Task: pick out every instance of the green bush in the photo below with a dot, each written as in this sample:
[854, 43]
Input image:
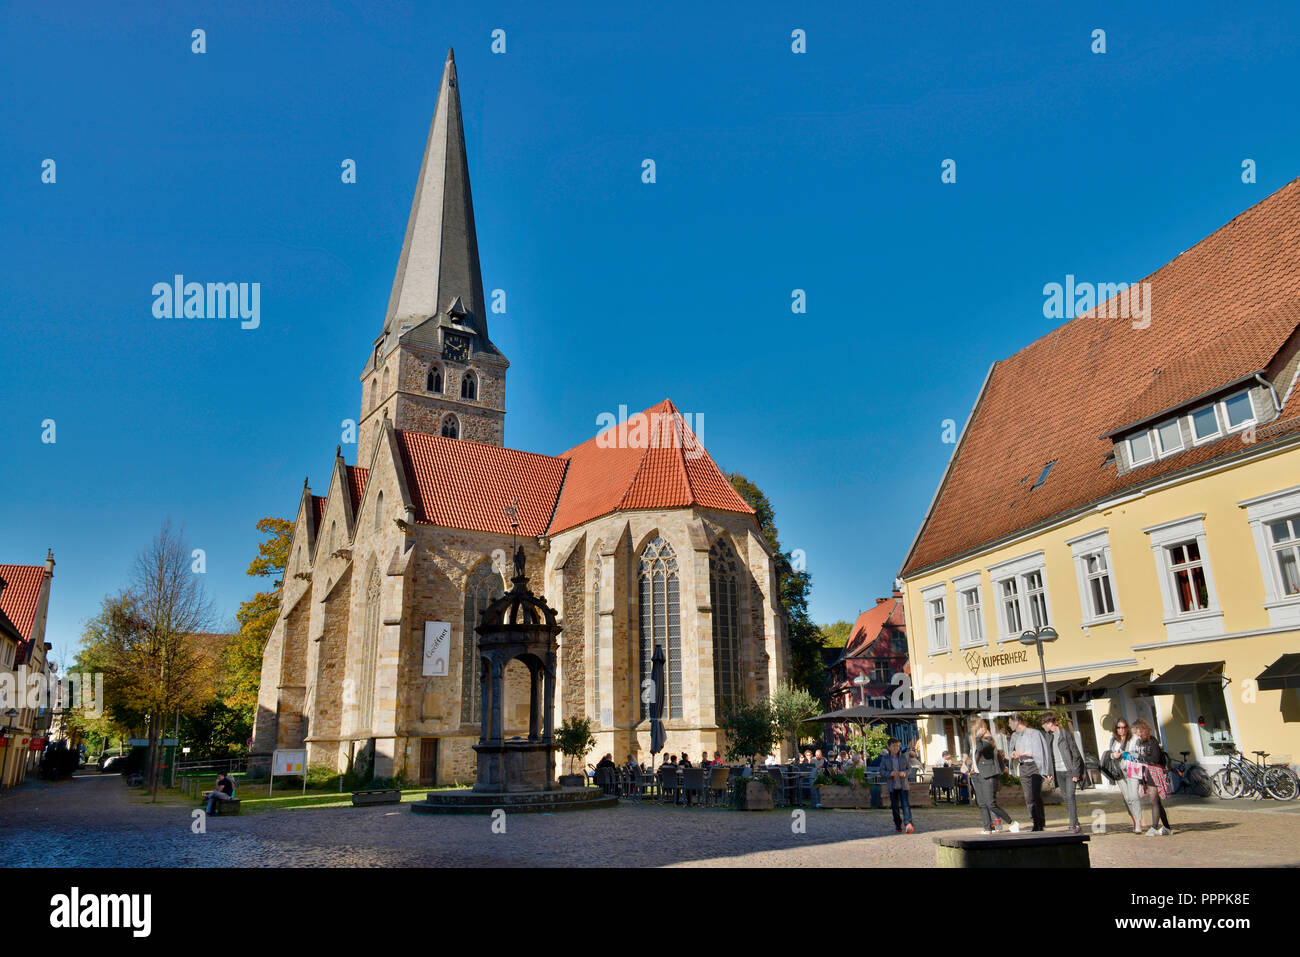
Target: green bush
[322, 777]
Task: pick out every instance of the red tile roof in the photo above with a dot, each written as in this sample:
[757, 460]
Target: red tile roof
[356, 485]
[1219, 311]
[460, 484]
[867, 628]
[318, 506]
[21, 595]
[650, 462]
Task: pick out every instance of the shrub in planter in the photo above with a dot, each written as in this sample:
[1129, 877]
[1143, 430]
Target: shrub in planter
[575, 741]
[754, 794]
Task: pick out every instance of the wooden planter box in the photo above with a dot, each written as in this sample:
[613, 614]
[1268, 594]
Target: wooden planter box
[379, 796]
[837, 795]
[756, 797]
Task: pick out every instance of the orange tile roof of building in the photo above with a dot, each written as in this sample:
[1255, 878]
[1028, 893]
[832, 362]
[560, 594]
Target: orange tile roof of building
[456, 483]
[21, 595]
[650, 462]
[318, 507]
[356, 484]
[1219, 311]
[461, 484]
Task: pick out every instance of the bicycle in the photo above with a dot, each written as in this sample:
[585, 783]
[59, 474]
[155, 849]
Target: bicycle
[1241, 776]
[1189, 777]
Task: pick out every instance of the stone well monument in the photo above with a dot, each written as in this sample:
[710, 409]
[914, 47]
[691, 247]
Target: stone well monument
[516, 773]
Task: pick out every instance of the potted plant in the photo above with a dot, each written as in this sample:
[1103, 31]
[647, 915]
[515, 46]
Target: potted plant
[751, 730]
[576, 741]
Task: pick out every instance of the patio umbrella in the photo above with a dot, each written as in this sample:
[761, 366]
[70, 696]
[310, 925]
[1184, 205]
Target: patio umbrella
[657, 733]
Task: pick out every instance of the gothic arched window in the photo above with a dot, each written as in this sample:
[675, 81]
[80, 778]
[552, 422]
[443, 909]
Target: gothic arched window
[435, 380]
[374, 392]
[379, 512]
[469, 386]
[384, 392]
[661, 620]
[723, 596]
[482, 587]
[595, 638]
[450, 427]
[369, 652]
[331, 545]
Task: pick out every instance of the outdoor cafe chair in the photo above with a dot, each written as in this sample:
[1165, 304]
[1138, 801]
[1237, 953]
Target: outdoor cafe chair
[667, 783]
[777, 774]
[718, 783]
[693, 783]
[942, 781]
[605, 780]
[647, 785]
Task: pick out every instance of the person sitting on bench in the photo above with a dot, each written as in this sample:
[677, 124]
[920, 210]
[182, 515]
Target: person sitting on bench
[225, 791]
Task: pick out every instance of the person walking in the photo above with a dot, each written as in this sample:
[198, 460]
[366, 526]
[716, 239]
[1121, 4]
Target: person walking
[1122, 743]
[1029, 747]
[893, 770]
[1069, 771]
[987, 771]
[1155, 779]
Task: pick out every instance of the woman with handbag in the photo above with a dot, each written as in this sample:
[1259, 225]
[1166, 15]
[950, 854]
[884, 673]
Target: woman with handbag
[1115, 764]
[989, 765]
[1150, 758]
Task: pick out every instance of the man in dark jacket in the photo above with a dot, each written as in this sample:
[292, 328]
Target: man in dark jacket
[1068, 771]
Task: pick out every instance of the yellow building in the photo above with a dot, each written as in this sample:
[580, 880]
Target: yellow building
[1132, 479]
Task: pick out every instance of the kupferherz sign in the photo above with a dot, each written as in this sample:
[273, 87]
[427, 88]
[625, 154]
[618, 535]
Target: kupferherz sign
[976, 661]
[437, 641]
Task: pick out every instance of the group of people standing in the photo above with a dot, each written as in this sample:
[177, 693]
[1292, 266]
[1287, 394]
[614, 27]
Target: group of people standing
[1050, 757]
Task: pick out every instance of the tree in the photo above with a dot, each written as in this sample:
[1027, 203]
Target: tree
[836, 634]
[575, 739]
[793, 588]
[242, 662]
[751, 730]
[149, 641]
[792, 706]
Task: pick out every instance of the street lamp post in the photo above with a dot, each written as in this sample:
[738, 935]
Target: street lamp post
[862, 681]
[1037, 637]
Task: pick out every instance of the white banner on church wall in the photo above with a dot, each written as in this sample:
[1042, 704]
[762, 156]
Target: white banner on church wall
[437, 647]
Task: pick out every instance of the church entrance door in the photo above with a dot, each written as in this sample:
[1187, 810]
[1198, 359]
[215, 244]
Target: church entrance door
[428, 761]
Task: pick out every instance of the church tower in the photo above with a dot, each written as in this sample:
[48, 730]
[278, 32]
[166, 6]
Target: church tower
[433, 367]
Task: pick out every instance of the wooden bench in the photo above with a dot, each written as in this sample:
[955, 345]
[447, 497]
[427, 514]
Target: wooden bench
[376, 796]
[225, 807]
[1031, 849]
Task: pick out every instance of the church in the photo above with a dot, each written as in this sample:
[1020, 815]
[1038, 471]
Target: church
[635, 537]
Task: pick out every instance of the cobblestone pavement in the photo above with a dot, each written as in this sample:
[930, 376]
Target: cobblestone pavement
[92, 821]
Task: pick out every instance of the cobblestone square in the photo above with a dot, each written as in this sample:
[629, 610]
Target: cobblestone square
[92, 821]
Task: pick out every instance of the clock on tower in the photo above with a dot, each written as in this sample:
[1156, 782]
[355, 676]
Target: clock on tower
[455, 348]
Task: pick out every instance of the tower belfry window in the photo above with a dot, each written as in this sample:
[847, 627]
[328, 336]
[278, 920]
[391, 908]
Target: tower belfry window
[469, 386]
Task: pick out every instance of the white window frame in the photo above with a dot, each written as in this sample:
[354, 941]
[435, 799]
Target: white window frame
[1133, 460]
[1261, 511]
[939, 643]
[1218, 424]
[1227, 424]
[961, 587]
[1159, 445]
[1180, 625]
[1020, 569]
[1081, 549]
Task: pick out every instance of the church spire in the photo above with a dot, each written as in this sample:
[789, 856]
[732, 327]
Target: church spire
[438, 270]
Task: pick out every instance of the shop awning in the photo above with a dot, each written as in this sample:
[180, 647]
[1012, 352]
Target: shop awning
[1109, 684]
[1183, 679]
[869, 714]
[1012, 696]
[1281, 674]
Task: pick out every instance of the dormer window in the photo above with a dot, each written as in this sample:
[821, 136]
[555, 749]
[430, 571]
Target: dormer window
[1205, 423]
[1140, 449]
[1238, 411]
[1169, 437]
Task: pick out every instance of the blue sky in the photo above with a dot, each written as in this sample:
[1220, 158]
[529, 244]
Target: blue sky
[775, 171]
